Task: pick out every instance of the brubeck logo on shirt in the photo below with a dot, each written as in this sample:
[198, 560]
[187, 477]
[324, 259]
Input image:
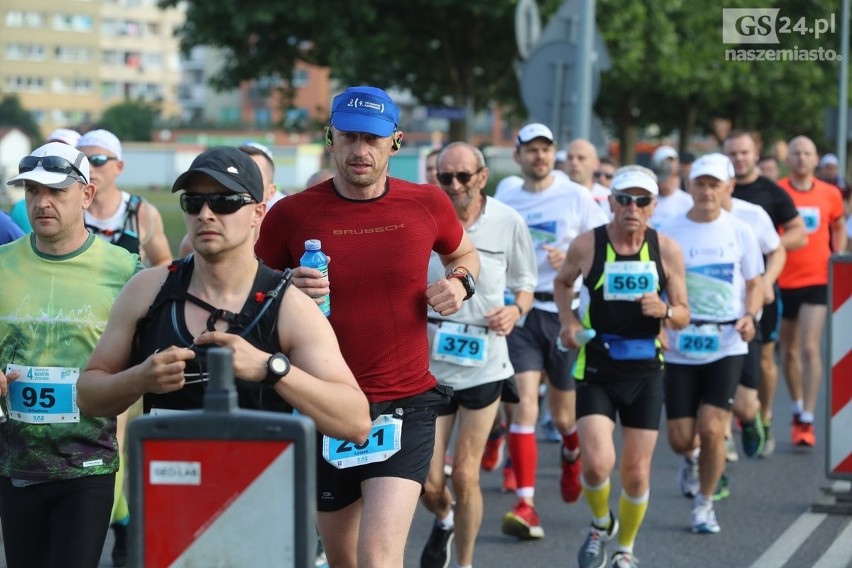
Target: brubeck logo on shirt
[369, 230]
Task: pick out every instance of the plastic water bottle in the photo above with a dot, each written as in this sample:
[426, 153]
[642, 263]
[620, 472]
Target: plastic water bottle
[315, 258]
[583, 336]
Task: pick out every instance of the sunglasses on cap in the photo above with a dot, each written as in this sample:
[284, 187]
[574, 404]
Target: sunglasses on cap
[626, 199]
[53, 164]
[604, 175]
[98, 160]
[220, 203]
[446, 178]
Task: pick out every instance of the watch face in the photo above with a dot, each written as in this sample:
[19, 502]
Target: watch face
[278, 365]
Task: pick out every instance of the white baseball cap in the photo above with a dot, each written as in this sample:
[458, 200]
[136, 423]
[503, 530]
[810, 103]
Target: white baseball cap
[663, 153]
[714, 165]
[64, 135]
[532, 131]
[629, 179]
[829, 160]
[48, 174]
[102, 139]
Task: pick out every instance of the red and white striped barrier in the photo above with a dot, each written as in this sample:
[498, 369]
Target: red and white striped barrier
[839, 457]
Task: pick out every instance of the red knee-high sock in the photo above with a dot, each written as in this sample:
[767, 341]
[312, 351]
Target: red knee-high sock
[571, 441]
[523, 449]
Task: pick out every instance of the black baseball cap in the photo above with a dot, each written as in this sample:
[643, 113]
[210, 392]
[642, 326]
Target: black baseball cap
[229, 166]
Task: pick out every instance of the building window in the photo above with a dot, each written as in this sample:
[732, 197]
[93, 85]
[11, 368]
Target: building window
[262, 118]
[109, 91]
[229, 115]
[16, 83]
[62, 22]
[82, 23]
[16, 19]
[300, 78]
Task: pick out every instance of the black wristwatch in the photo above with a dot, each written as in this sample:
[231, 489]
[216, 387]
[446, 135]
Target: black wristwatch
[277, 368]
[464, 275]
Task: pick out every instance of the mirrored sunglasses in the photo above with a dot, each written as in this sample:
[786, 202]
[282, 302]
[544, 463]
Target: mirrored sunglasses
[219, 203]
[53, 164]
[98, 160]
[640, 200]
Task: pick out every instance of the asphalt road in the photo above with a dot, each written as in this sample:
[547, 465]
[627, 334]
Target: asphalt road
[767, 521]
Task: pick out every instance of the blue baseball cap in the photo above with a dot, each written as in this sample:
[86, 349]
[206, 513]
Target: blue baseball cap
[365, 109]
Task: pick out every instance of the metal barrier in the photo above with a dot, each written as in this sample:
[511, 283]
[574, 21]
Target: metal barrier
[222, 486]
[839, 455]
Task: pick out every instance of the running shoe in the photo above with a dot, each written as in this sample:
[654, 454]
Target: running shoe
[493, 456]
[731, 454]
[624, 560]
[436, 553]
[802, 433]
[769, 443]
[753, 437]
[704, 519]
[523, 522]
[688, 477]
[569, 481]
[510, 483]
[593, 552]
[723, 489]
[321, 559]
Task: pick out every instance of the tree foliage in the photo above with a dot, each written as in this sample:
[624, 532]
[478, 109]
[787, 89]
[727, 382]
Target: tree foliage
[669, 69]
[444, 52]
[131, 121]
[13, 114]
[669, 66]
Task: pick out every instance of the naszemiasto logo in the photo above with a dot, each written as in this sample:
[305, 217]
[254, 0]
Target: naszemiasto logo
[767, 26]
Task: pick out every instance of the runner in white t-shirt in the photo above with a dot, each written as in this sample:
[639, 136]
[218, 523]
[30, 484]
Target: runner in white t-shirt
[704, 360]
[556, 211]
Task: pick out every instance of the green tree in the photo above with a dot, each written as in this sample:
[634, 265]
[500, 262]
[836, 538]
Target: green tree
[444, 52]
[131, 121]
[13, 114]
[669, 69]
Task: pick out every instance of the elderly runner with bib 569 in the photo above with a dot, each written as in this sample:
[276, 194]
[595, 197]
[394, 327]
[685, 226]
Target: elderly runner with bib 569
[627, 269]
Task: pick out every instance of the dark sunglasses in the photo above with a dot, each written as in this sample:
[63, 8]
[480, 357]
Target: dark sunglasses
[604, 175]
[446, 178]
[639, 200]
[53, 164]
[220, 203]
[98, 160]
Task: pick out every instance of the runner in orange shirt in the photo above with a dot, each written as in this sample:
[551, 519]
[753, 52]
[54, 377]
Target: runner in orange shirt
[804, 282]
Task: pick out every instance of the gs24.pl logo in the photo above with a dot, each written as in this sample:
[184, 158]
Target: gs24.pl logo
[765, 25]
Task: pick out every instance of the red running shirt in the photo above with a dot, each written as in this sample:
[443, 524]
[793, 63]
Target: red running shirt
[379, 251]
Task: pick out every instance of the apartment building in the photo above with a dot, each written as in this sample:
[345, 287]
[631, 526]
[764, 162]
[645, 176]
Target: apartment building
[69, 60]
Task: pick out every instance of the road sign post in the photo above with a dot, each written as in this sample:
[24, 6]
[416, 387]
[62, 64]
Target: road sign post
[222, 486]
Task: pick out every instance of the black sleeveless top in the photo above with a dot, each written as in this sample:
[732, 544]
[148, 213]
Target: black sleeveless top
[127, 237]
[619, 317]
[164, 325]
